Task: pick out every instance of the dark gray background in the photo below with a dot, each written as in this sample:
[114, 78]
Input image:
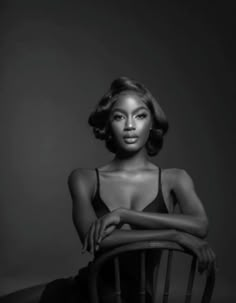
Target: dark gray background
[57, 60]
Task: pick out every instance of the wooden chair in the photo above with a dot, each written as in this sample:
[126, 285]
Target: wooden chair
[141, 248]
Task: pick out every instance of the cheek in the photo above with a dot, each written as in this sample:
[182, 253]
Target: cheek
[145, 127]
[116, 128]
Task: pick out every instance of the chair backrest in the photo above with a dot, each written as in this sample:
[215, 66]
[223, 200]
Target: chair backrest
[142, 248]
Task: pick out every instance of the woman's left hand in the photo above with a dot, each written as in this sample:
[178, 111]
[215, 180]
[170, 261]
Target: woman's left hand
[100, 229]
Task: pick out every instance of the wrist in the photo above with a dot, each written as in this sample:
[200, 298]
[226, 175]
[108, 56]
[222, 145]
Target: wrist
[121, 212]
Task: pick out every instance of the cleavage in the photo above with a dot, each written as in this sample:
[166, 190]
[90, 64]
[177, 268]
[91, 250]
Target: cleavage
[124, 194]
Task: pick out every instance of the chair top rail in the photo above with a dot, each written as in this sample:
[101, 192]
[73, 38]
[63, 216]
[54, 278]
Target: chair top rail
[142, 245]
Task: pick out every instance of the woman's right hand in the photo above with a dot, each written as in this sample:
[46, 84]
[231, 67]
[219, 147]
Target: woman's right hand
[91, 243]
[100, 229]
[206, 256]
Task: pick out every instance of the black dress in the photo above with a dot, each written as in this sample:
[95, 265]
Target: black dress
[75, 289]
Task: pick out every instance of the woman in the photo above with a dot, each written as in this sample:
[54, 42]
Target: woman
[133, 125]
[130, 198]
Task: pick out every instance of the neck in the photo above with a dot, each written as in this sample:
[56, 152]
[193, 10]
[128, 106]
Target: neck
[131, 162]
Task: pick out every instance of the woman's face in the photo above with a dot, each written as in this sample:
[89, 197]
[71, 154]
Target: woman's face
[130, 122]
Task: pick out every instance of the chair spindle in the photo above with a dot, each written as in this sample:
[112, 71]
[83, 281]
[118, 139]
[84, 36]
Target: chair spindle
[117, 280]
[142, 292]
[167, 280]
[191, 277]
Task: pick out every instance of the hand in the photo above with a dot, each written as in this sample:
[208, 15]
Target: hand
[100, 229]
[206, 256]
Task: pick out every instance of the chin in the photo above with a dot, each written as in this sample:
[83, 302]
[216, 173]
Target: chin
[129, 149]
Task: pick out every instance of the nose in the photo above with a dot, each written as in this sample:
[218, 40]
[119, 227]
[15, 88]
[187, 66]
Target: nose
[130, 124]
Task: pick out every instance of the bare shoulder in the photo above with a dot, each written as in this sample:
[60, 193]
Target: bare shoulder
[176, 178]
[81, 181]
[81, 174]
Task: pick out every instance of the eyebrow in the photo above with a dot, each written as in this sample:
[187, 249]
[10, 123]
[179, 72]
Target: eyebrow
[124, 112]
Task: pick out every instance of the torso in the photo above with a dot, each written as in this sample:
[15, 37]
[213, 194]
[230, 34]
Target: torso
[147, 190]
[139, 191]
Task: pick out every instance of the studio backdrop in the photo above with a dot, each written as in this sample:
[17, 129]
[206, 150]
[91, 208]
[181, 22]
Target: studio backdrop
[56, 62]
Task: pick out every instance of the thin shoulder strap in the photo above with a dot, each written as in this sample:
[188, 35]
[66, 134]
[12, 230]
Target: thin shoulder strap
[98, 181]
[160, 190]
[159, 179]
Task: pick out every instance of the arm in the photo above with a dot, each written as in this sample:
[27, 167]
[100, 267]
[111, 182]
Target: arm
[192, 224]
[81, 187]
[192, 218]
[118, 237]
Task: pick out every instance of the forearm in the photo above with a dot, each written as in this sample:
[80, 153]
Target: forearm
[119, 237]
[182, 222]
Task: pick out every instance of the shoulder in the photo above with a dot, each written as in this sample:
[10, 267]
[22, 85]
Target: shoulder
[177, 178]
[81, 174]
[82, 181]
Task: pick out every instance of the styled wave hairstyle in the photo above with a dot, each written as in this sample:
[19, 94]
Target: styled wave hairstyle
[99, 118]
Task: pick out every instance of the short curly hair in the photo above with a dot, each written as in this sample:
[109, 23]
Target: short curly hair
[99, 118]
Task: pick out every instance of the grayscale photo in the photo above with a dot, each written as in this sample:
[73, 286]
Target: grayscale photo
[117, 151]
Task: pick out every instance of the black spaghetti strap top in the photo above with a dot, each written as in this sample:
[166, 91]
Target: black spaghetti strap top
[157, 205]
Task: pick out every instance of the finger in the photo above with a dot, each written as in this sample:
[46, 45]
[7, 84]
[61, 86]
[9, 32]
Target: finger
[210, 260]
[91, 239]
[213, 259]
[97, 228]
[85, 244]
[106, 222]
[213, 256]
[204, 260]
[102, 230]
[200, 260]
[96, 235]
[100, 233]
[197, 253]
[109, 230]
[206, 257]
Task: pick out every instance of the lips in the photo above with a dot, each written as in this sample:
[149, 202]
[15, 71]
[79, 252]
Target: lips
[130, 139]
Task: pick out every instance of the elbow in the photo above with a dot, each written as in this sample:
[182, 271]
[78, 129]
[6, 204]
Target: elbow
[202, 228]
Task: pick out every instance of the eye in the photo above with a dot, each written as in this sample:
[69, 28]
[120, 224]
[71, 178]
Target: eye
[141, 116]
[117, 117]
